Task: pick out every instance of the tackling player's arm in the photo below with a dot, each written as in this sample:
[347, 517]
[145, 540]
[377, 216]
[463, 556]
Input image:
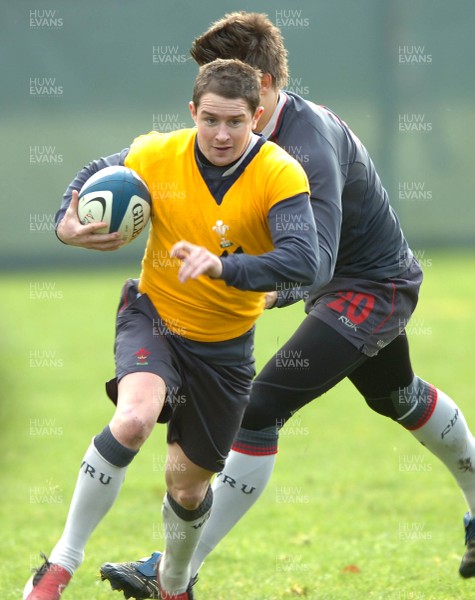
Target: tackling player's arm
[293, 259]
[69, 229]
[326, 183]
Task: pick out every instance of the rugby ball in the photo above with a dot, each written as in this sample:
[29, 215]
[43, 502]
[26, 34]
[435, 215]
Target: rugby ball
[120, 198]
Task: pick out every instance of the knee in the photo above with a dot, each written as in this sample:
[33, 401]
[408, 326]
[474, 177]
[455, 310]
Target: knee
[140, 400]
[187, 483]
[415, 403]
[409, 405]
[132, 429]
[256, 419]
[190, 497]
[133, 421]
[261, 412]
[383, 406]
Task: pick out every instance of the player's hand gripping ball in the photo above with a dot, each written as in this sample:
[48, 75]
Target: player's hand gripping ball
[120, 198]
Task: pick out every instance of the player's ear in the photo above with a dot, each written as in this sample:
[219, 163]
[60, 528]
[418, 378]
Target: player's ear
[257, 116]
[266, 83]
[191, 106]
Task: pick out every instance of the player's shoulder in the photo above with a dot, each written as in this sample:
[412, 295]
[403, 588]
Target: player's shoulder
[317, 116]
[297, 103]
[311, 129]
[156, 140]
[279, 166]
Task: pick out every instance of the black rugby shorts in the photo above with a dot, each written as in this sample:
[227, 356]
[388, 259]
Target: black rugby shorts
[369, 314]
[208, 384]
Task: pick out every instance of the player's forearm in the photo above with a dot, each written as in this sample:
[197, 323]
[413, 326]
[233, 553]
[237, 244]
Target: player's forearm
[83, 175]
[328, 221]
[291, 295]
[328, 218]
[270, 272]
[294, 262]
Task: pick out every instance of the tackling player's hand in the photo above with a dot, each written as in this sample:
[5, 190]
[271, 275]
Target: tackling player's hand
[72, 232]
[196, 261]
[270, 299]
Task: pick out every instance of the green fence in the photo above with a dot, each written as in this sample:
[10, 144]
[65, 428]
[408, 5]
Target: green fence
[81, 80]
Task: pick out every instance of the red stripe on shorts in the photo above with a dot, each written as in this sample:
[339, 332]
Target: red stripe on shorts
[393, 301]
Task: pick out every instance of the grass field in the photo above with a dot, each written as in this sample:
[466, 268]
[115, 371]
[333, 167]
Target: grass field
[342, 518]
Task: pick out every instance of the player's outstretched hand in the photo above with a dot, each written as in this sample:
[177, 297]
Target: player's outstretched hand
[72, 232]
[196, 261]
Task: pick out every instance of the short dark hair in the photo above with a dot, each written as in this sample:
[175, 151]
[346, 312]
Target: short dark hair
[229, 79]
[250, 37]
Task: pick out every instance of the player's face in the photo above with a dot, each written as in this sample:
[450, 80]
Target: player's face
[224, 127]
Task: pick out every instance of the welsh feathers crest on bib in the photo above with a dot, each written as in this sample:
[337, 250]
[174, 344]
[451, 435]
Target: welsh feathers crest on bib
[221, 229]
